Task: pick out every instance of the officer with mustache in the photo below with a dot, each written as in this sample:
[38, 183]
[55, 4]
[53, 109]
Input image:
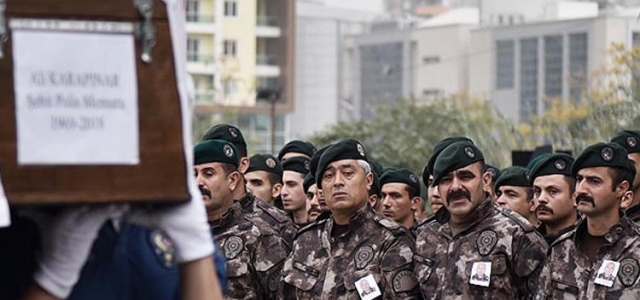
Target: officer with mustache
[553, 188]
[606, 236]
[469, 231]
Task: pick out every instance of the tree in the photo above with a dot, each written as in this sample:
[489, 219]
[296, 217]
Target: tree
[402, 134]
[611, 103]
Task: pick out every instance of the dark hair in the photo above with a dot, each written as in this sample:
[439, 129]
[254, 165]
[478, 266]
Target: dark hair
[273, 178]
[228, 168]
[618, 175]
[529, 194]
[412, 191]
[571, 182]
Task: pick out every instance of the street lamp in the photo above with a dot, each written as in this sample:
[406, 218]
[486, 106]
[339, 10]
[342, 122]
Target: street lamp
[272, 96]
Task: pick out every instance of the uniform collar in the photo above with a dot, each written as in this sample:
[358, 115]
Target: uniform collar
[484, 210]
[228, 217]
[246, 200]
[633, 212]
[613, 235]
[357, 219]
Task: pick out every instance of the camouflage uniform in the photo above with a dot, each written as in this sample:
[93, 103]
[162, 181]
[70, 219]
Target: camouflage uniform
[270, 214]
[255, 253]
[443, 262]
[570, 274]
[633, 213]
[322, 267]
[550, 238]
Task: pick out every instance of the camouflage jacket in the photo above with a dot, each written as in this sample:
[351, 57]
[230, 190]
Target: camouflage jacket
[443, 262]
[270, 214]
[570, 274]
[255, 253]
[550, 238]
[633, 213]
[323, 267]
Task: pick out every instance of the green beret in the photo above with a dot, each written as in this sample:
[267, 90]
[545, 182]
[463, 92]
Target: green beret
[550, 164]
[494, 171]
[309, 180]
[629, 139]
[298, 146]
[538, 158]
[265, 162]
[405, 176]
[220, 151]
[313, 163]
[455, 156]
[298, 164]
[602, 155]
[343, 149]
[228, 133]
[513, 176]
[428, 169]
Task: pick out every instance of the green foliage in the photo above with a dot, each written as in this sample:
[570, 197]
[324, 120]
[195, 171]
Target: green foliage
[402, 134]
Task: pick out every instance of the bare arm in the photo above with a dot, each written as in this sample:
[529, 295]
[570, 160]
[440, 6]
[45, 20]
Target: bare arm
[198, 280]
[35, 292]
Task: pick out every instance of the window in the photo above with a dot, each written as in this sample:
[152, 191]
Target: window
[505, 64]
[192, 10]
[230, 47]
[528, 78]
[230, 8]
[193, 46]
[553, 78]
[428, 60]
[230, 87]
[578, 50]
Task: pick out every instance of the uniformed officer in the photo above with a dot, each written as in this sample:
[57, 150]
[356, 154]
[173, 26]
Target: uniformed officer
[294, 199]
[313, 167]
[273, 216]
[605, 236]
[471, 230]
[495, 174]
[311, 190]
[435, 201]
[296, 148]
[332, 257]
[264, 178]
[630, 140]
[375, 195]
[553, 188]
[400, 196]
[515, 193]
[254, 250]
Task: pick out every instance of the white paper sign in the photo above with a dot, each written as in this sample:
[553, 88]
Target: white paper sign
[481, 273]
[76, 93]
[5, 216]
[607, 273]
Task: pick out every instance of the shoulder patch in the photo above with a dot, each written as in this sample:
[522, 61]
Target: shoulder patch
[272, 211]
[521, 221]
[393, 226]
[163, 248]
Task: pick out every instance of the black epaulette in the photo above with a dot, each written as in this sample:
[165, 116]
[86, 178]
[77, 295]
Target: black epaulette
[309, 227]
[520, 220]
[268, 208]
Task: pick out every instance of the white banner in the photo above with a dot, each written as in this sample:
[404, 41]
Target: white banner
[76, 93]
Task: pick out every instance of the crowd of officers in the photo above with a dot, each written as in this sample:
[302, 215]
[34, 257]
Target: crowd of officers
[333, 224]
[330, 223]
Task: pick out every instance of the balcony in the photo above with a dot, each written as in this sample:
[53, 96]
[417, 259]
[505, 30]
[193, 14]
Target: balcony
[200, 23]
[199, 63]
[267, 66]
[267, 27]
[205, 96]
